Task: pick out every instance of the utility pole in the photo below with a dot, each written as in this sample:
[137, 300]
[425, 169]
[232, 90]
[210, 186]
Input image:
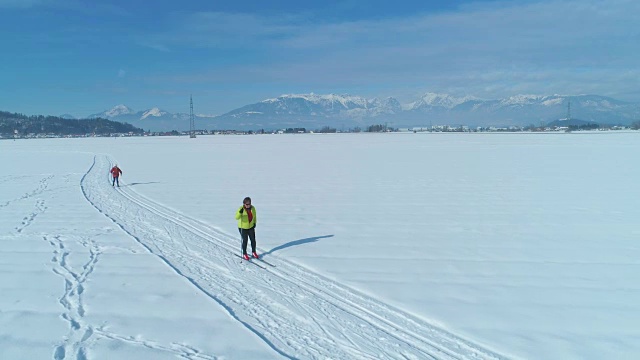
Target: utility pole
[192, 130]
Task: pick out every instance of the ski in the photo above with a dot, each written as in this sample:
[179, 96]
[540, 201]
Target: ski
[268, 263]
[251, 262]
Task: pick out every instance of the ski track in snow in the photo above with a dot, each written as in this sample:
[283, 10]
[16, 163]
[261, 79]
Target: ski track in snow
[81, 334]
[297, 312]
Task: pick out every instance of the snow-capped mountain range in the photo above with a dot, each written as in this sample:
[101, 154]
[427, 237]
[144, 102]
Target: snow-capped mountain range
[153, 119]
[314, 111]
[321, 106]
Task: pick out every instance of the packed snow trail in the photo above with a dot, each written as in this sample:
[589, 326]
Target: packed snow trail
[297, 312]
[74, 256]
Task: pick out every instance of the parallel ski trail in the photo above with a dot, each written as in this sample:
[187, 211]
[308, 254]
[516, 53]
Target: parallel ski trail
[299, 313]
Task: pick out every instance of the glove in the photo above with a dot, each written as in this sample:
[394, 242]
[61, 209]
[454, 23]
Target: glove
[242, 210]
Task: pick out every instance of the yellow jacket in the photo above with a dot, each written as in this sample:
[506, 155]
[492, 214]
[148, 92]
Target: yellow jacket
[243, 218]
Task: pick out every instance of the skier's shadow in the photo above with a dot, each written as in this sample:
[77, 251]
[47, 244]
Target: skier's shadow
[296, 243]
[141, 183]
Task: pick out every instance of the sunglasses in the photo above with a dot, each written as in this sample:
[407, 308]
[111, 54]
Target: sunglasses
[245, 204]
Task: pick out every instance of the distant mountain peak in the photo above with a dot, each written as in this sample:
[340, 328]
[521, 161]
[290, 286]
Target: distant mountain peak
[154, 112]
[438, 100]
[119, 110]
[523, 99]
[116, 111]
[315, 98]
[317, 110]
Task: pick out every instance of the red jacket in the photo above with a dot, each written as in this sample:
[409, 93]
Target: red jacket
[115, 171]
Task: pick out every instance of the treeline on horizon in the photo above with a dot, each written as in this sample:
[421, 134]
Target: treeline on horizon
[41, 124]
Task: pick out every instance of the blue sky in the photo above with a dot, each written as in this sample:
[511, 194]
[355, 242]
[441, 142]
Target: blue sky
[80, 57]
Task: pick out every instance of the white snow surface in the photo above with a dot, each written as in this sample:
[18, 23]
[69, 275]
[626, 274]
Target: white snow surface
[345, 100]
[602, 103]
[436, 99]
[385, 246]
[522, 99]
[155, 112]
[118, 110]
[553, 101]
[353, 106]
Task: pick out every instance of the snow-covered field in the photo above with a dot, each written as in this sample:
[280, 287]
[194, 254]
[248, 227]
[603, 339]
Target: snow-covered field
[385, 246]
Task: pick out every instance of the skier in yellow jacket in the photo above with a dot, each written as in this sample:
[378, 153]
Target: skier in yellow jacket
[246, 216]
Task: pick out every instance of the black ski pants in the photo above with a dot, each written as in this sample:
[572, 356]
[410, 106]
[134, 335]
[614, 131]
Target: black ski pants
[247, 234]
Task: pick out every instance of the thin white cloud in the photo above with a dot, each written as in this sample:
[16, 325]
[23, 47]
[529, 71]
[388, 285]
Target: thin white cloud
[20, 3]
[159, 47]
[489, 49]
[93, 8]
[215, 29]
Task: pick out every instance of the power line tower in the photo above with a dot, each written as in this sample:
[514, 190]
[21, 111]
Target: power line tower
[192, 129]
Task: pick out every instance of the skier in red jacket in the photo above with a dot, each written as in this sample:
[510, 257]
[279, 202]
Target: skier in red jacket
[115, 172]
